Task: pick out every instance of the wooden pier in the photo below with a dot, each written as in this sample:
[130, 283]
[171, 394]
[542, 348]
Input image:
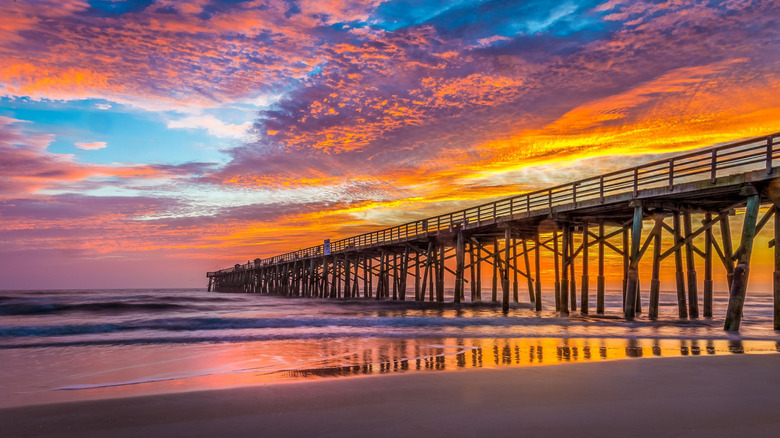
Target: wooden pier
[605, 213]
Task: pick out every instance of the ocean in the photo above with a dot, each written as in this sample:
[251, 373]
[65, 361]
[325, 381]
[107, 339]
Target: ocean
[63, 345]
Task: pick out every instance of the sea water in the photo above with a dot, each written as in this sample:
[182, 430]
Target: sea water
[62, 345]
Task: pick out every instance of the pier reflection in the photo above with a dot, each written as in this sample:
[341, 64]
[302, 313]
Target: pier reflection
[423, 355]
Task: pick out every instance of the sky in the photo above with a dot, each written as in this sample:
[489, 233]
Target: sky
[145, 142]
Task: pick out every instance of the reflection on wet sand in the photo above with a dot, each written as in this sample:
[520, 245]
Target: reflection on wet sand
[454, 353]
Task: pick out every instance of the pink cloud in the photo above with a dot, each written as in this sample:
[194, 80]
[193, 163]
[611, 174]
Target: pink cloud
[91, 146]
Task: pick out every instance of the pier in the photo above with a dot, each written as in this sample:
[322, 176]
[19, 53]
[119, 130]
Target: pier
[682, 198]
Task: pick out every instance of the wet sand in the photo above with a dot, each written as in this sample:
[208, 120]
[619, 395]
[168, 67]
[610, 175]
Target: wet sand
[724, 396]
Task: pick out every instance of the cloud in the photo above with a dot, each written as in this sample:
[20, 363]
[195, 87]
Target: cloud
[91, 146]
[214, 126]
[29, 168]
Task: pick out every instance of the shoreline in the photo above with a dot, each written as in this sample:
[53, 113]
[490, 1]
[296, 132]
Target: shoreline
[682, 396]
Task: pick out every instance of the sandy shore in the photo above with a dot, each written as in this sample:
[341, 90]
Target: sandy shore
[728, 396]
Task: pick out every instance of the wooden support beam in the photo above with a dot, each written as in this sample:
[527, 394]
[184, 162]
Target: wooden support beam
[355, 287]
[432, 279]
[584, 290]
[603, 241]
[395, 277]
[417, 275]
[472, 271]
[574, 253]
[495, 271]
[325, 273]
[347, 277]
[405, 273]
[538, 276]
[742, 270]
[564, 291]
[505, 276]
[633, 273]
[370, 274]
[426, 272]
[693, 295]
[776, 274]
[556, 255]
[479, 272]
[459, 261]
[708, 239]
[725, 237]
[601, 283]
[528, 277]
[761, 223]
[682, 305]
[513, 264]
[380, 280]
[655, 282]
[625, 265]
[572, 281]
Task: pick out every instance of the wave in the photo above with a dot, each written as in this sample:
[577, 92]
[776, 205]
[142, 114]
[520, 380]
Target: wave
[19, 309]
[210, 324]
[227, 339]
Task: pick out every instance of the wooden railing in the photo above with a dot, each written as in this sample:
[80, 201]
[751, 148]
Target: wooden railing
[748, 155]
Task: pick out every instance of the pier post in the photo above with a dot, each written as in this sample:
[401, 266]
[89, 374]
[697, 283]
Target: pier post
[365, 275]
[625, 264]
[276, 282]
[505, 279]
[538, 268]
[742, 270]
[472, 272]
[708, 268]
[440, 275]
[416, 274]
[381, 278]
[515, 287]
[693, 293]
[426, 272]
[434, 263]
[655, 282]
[355, 282]
[347, 277]
[680, 277]
[556, 264]
[404, 274]
[395, 276]
[325, 281]
[460, 257]
[728, 250]
[495, 270]
[584, 290]
[564, 291]
[633, 274]
[776, 276]
[304, 287]
[528, 272]
[370, 276]
[386, 275]
[572, 281]
[479, 272]
[601, 283]
[337, 271]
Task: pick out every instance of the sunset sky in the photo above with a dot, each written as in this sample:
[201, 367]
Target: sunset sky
[143, 142]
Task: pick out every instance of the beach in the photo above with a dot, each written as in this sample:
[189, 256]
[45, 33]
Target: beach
[191, 363]
[715, 396]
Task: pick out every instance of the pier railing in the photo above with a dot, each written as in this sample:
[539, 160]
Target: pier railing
[747, 155]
